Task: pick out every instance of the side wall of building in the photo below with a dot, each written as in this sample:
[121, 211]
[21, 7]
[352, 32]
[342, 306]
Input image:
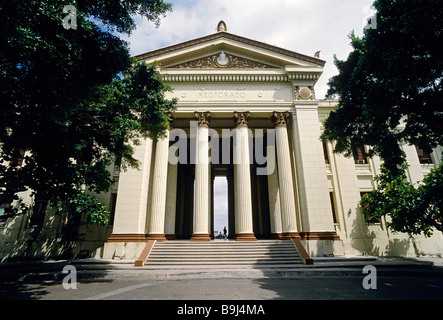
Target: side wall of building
[348, 180]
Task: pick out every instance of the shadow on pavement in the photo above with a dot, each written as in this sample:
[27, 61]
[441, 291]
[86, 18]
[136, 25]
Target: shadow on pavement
[31, 280]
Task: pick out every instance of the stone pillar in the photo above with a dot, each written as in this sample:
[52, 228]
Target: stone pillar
[231, 204]
[315, 205]
[171, 202]
[286, 186]
[202, 166]
[132, 198]
[242, 174]
[156, 227]
[274, 196]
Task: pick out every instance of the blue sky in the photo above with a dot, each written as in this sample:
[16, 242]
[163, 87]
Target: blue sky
[297, 25]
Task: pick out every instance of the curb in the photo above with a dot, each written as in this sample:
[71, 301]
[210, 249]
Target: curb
[90, 269]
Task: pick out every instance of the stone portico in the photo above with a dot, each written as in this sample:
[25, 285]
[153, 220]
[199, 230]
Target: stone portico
[247, 111]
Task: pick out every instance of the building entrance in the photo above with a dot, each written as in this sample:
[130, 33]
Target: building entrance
[222, 202]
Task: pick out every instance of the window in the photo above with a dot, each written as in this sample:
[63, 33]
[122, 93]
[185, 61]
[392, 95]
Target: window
[360, 155]
[38, 215]
[3, 213]
[325, 152]
[113, 206]
[334, 212]
[423, 157]
[3, 207]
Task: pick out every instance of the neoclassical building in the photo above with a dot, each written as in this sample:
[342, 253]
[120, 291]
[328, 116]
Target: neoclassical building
[247, 111]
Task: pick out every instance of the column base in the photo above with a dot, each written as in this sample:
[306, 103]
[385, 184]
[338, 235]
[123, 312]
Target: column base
[245, 237]
[156, 236]
[200, 237]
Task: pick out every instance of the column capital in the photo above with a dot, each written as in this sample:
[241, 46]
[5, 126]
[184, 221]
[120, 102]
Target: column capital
[280, 118]
[241, 118]
[202, 118]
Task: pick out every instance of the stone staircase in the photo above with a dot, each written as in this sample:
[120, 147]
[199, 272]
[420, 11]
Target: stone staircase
[223, 254]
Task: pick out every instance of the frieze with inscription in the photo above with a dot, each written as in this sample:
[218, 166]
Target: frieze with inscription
[222, 94]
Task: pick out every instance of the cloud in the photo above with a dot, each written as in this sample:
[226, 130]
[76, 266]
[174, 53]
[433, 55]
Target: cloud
[297, 25]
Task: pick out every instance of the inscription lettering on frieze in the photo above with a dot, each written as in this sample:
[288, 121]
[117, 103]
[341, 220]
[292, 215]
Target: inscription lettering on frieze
[222, 94]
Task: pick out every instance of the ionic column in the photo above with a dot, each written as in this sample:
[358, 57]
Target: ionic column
[286, 186]
[156, 227]
[201, 225]
[243, 204]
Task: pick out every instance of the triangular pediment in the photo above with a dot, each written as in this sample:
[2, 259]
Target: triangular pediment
[228, 51]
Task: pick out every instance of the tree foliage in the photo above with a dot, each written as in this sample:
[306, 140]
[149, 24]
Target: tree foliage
[390, 88]
[414, 209]
[390, 93]
[65, 110]
[88, 205]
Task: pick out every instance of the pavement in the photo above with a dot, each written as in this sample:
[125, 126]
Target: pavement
[322, 267]
[329, 278]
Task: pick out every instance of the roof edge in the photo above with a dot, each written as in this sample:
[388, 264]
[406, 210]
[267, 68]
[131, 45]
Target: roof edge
[224, 34]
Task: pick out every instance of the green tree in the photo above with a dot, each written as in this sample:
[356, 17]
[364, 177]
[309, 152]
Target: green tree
[390, 91]
[390, 87]
[414, 209]
[66, 111]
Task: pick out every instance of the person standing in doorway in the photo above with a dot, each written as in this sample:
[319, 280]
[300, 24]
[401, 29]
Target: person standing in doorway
[225, 232]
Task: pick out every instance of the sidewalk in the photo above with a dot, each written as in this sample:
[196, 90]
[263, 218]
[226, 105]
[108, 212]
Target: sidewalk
[345, 266]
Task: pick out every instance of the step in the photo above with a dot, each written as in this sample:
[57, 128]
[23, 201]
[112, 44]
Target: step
[179, 254]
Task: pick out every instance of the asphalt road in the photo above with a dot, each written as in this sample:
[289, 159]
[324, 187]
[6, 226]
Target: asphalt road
[317, 288]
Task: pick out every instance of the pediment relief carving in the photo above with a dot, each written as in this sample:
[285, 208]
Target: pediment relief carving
[222, 60]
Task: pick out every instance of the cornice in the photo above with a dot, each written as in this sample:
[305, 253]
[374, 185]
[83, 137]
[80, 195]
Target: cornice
[230, 36]
[252, 76]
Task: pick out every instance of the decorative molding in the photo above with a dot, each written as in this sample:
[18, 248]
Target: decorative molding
[319, 235]
[127, 237]
[200, 237]
[202, 118]
[222, 60]
[304, 76]
[304, 93]
[241, 118]
[280, 118]
[156, 236]
[223, 78]
[245, 237]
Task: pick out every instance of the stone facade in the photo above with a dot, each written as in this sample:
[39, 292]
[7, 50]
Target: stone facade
[246, 111]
